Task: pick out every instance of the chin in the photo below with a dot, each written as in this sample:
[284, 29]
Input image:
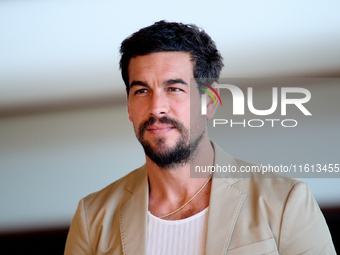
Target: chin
[162, 145]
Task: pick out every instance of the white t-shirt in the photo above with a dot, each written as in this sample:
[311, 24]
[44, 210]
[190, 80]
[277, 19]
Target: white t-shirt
[186, 236]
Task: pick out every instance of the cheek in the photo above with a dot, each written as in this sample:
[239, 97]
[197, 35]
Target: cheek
[197, 120]
[195, 103]
[182, 110]
[134, 111]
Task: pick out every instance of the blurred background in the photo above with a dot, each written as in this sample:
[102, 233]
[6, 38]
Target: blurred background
[64, 131]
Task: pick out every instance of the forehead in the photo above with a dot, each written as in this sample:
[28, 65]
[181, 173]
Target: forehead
[161, 65]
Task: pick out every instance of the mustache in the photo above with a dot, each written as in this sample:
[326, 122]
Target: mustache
[166, 120]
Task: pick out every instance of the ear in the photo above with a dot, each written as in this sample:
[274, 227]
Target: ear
[211, 105]
[128, 108]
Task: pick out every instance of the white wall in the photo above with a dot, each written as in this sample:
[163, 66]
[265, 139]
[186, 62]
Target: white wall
[61, 50]
[49, 161]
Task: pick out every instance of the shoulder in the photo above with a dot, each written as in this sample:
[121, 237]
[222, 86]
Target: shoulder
[97, 217]
[116, 193]
[274, 186]
[275, 206]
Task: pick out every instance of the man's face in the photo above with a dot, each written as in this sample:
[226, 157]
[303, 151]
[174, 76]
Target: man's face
[159, 106]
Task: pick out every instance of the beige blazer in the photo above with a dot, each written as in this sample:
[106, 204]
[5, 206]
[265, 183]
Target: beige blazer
[246, 216]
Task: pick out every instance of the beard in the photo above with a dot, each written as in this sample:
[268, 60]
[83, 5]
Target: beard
[163, 156]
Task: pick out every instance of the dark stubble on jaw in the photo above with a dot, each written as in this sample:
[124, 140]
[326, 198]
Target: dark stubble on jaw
[168, 158]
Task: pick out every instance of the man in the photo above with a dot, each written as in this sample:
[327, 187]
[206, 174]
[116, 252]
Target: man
[158, 208]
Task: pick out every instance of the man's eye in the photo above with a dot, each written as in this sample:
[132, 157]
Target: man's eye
[140, 91]
[174, 89]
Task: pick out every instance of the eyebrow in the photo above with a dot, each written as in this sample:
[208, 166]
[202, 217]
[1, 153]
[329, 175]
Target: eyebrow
[174, 81]
[138, 83]
[166, 83]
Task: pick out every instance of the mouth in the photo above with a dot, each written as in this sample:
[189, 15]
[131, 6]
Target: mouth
[159, 129]
[159, 126]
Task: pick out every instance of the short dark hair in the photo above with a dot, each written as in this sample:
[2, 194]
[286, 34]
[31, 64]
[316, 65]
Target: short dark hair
[172, 36]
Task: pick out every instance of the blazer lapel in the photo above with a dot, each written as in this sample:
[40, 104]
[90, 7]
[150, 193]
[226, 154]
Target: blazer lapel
[224, 207]
[133, 216]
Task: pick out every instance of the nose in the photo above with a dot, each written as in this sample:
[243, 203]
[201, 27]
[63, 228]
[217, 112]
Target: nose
[159, 105]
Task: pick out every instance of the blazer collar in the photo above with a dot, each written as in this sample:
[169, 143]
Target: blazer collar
[224, 207]
[224, 159]
[133, 215]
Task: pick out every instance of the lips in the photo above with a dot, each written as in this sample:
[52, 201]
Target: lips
[159, 128]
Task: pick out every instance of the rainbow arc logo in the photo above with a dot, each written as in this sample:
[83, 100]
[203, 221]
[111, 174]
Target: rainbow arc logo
[209, 93]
